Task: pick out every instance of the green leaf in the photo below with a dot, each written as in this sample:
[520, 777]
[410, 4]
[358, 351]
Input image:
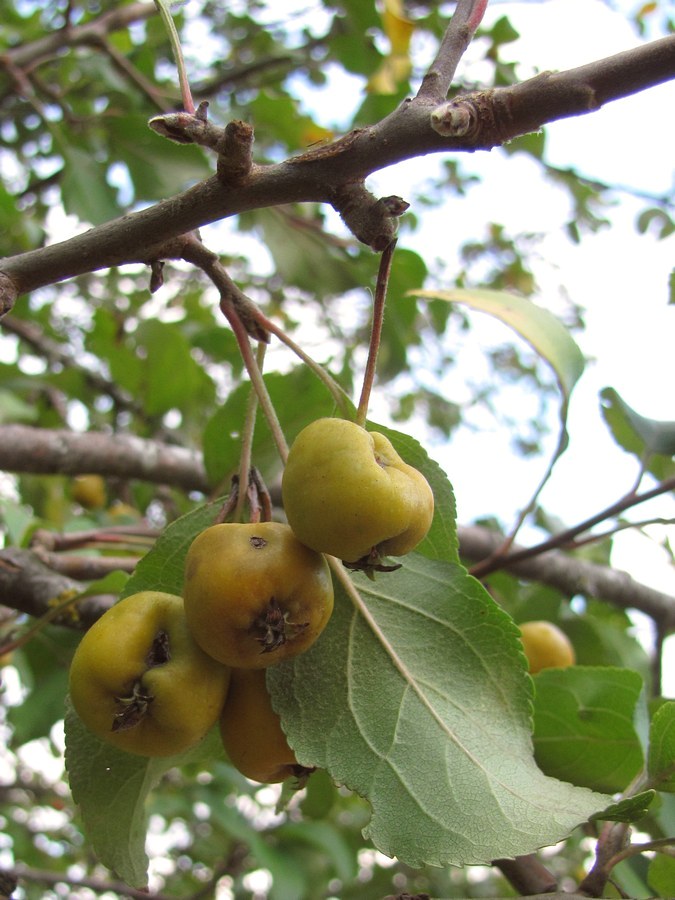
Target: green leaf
[329, 840]
[13, 409]
[632, 809]
[157, 167]
[661, 875]
[172, 379]
[84, 188]
[400, 329]
[539, 327]
[545, 334]
[222, 435]
[584, 726]
[290, 879]
[656, 220]
[112, 583]
[111, 789]
[662, 748]
[305, 257]
[17, 519]
[161, 569]
[425, 711]
[634, 432]
[45, 678]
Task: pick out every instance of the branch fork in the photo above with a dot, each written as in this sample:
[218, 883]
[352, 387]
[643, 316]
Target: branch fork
[370, 220]
[233, 144]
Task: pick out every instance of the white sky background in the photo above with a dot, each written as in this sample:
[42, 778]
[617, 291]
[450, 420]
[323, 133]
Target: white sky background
[618, 277]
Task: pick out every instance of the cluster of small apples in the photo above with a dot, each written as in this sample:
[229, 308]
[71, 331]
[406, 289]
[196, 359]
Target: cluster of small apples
[156, 672]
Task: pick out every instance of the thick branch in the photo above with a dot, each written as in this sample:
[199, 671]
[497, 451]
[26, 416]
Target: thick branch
[27, 449]
[42, 451]
[574, 576]
[28, 585]
[489, 118]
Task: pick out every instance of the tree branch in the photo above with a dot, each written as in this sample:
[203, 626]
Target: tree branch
[490, 118]
[91, 32]
[574, 576]
[54, 353]
[31, 587]
[465, 20]
[42, 451]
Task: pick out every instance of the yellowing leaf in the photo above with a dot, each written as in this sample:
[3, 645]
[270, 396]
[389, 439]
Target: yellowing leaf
[386, 79]
[315, 134]
[396, 67]
[397, 27]
[539, 327]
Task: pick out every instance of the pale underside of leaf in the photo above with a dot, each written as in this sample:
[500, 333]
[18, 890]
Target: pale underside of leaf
[425, 711]
[540, 328]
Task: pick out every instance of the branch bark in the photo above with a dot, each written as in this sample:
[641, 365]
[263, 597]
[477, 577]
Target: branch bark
[89, 33]
[488, 118]
[573, 576]
[42, 451]
[31, 587]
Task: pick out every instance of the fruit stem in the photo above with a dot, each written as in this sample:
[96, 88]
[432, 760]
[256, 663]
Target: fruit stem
[174, 40]
[247, 440]
[256, 377]
[338, 393]
[375, 331]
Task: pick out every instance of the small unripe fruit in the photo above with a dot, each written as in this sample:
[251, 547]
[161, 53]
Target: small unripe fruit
[546, 646]
[347, 492]
[139, 681]
[251, 731]
[254, 595]
[89, 491]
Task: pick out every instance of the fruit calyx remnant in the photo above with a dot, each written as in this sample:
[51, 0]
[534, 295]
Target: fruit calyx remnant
[272, 629]
[133, 708]
[160, 651]
[370, 563]
[301, 775]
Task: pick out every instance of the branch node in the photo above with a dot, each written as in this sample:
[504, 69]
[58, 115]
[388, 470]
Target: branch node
[235, 158]
[233, 144]
[8, 294]
[370, 220]
[456, 118]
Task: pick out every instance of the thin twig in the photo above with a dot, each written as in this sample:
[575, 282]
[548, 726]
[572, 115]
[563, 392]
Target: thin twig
[247, 441]
[466, 19]
[379, 302]
[499, 561]
[338, 393]
[177, 50]
[255, 375]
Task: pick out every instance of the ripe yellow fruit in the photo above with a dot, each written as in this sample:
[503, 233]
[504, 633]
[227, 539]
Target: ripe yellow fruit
[347, 492]
[139, 681]
[254, 595]
[251, 731]
[546, 646]
[89, 491]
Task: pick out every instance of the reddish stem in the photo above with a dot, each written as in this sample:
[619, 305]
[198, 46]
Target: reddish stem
[375, 331]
